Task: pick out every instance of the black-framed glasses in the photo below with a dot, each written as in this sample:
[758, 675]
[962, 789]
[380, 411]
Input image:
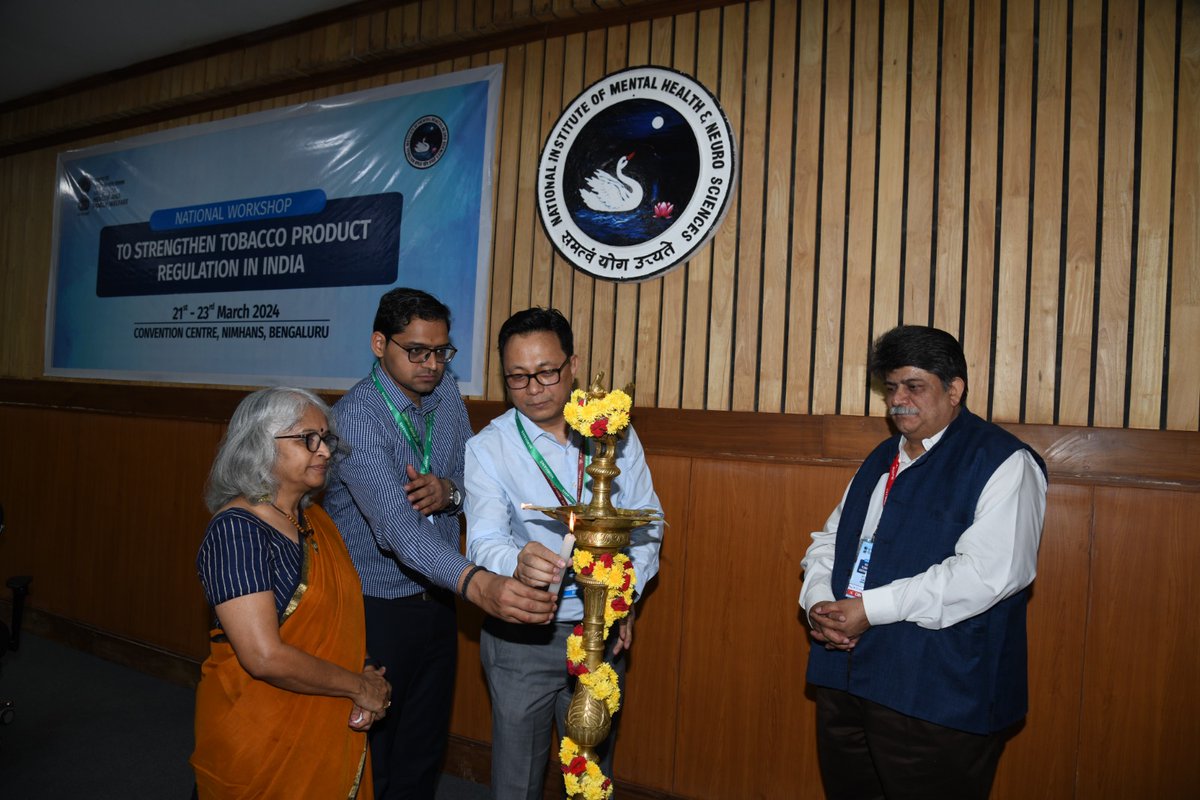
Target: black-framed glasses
[546, 377]
[419, 355]
[312, 440]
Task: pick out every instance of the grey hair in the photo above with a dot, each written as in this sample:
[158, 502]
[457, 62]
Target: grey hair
[245, 462]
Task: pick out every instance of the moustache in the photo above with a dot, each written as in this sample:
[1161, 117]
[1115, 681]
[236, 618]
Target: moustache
[904, 411]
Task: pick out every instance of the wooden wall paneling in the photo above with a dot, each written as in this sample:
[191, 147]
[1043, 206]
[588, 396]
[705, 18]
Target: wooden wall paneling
[1120, 120]
[526, 225]
[638, 305]
[857, 287]
[886, 288]
[1149, 286]
[1141, 708]
[751, 211]
[471, 715]
[834, 204]
[979, 257]
[806, 198]
[625, 334]
[952, 166]
[604, 342]
[508, 150]
[1012, 299]
[744, 647]
[1183, 388]
[583, 303]
[1048, 170]
[777, 207]
[649, 717]
[1039, 762]
[541, 285]
[721, 313]
[572, 84]
[694, 55]
[1075, 385]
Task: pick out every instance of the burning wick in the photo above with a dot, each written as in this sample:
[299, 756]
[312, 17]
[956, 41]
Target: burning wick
[565, 553]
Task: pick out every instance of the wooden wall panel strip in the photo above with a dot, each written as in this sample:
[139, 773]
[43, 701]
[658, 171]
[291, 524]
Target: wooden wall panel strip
[526, 226]
[807, 186]
[1040, 367]
[860, 226]
[1008, 345]
[696, 56]
[552, 103]
[1154, 215]
[1074, 404]
[834, 201]
[565, 275]
[952, 165]
[729, 60]
[887, 288]
[1120, 120]
[777, 205]
[751, 211]
[922, 139]
[1183, 407]
[979, 255]
[664, 344]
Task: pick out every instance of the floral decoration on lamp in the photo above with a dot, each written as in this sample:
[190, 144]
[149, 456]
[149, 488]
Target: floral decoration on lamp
[616, 572]
[594, 417]
[581, 776]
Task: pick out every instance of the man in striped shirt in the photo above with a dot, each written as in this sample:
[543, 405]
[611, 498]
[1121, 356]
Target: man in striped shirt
[396, 498]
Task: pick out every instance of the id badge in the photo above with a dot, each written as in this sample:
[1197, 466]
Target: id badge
[858, 576]
[570, 587]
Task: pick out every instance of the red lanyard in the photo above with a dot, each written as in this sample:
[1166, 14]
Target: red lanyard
[892, 473]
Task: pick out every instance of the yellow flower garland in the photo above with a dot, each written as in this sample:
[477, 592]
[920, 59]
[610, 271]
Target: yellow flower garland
[594, 417]
[582, 777]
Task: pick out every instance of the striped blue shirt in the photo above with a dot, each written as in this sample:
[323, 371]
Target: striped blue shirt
[396, 551]
[242, 555]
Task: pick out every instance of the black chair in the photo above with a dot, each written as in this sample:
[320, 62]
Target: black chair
[11, 639]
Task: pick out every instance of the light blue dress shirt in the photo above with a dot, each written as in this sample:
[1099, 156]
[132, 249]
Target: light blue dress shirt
[501, 474]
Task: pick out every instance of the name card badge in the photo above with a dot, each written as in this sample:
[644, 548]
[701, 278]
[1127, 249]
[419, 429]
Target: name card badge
[858, 578]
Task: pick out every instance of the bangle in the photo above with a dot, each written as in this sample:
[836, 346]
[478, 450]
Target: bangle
[467, 581]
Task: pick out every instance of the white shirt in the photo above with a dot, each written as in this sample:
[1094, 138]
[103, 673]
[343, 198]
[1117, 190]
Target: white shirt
[994, 558]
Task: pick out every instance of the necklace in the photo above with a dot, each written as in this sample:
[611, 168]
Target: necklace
[305, 530]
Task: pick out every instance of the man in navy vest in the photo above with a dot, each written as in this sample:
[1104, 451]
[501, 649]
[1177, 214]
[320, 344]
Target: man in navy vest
[915, 589]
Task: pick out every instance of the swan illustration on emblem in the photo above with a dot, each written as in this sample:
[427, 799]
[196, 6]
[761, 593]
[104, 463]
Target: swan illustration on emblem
[612, 192]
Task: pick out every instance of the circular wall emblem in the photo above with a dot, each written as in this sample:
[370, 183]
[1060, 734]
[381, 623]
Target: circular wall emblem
[426, 141]
[636, 174]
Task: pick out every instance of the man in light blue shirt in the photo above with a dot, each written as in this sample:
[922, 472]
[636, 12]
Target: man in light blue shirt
[525, 665]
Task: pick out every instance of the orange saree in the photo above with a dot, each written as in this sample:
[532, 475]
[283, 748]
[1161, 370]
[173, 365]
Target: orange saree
[254, 740]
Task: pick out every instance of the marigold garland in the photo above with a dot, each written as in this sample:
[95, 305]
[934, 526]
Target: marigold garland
[598, 416]
[582, 777]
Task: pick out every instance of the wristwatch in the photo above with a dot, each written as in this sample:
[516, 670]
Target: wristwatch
[456, 497]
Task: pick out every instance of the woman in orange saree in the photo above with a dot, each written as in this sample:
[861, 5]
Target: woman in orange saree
[284, 699]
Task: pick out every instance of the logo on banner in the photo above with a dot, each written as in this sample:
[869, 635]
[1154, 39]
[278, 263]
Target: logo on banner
[426, 141]
[636, 174]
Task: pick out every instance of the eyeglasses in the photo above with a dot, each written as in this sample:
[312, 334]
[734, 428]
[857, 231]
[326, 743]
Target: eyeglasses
[419, 355]
[313, 440]
[546, 377]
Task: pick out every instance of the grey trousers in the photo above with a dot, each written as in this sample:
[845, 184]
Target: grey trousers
[526, 669]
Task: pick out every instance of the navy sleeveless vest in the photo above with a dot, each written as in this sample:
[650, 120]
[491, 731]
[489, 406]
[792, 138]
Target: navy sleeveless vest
[970, 676]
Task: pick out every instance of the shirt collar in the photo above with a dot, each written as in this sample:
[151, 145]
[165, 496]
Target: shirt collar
[403, 402]
[535, 431]
[905, 458]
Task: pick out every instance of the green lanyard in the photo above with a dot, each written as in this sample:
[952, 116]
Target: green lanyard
[406, 427]
[560, 491]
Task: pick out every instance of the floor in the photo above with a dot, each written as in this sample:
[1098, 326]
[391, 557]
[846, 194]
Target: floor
[86, 727]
